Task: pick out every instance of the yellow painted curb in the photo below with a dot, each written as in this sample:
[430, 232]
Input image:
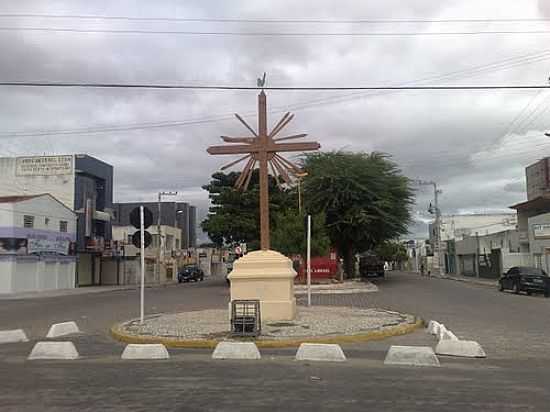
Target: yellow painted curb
[279, 343]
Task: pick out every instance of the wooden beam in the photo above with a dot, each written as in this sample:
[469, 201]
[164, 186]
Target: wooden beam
[281, 126]
[235, 162]
[250, 172]
[279, 123]
[289, 164]
[293, 147]
[248, 140]
[246, 125]
[281, 170]
[275, 175]
[233, 149]
[243, 176]
[294, 136]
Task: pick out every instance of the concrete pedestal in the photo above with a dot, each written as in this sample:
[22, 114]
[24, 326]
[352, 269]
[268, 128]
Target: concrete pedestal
[269, 277]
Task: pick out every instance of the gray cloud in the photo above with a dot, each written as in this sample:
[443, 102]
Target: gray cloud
[455, 138]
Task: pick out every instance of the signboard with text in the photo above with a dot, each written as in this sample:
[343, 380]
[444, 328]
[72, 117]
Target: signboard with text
[43, 165]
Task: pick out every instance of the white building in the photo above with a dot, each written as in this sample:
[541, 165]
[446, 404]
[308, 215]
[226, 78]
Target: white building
[37, 237]
[170, 252]
[459, 226]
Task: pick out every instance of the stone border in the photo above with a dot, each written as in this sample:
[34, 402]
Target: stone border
[402, 329]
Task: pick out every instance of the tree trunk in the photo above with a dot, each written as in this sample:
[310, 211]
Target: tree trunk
[349, 261]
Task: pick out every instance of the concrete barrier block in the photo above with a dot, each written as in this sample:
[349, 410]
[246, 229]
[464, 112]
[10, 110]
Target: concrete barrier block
[448, 335]
[464, 348]
[441, 331]
[53, 350]
[145, 351]
[433, 327]
[320, 352]
[236, 350]
[13, 336]
[411, 356]
[62, 329]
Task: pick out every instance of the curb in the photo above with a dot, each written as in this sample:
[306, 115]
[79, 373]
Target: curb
[402, 329]
[472, 281]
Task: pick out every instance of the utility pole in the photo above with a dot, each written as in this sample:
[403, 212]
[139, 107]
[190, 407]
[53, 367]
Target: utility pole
[437, 223]
[157, 266]
[299, 177]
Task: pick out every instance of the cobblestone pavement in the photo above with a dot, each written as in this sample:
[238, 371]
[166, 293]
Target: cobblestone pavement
[505, 324]
[316, 321]
[514, 330]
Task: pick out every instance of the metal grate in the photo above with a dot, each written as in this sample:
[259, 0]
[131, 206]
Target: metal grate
[245, 318]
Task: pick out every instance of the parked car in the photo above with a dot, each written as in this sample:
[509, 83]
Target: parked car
[371, 265]
[525, 279]
[190, 273]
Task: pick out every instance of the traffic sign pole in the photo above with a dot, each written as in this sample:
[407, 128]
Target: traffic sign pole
[142, 292]
[309, 260]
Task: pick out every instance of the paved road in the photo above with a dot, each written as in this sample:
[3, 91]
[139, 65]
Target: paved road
[513, 330]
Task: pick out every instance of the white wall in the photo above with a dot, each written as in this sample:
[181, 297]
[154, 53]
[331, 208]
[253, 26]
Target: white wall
[455, 226]
[33, 275]
[41, 208]
[59, 186]
[510, 260]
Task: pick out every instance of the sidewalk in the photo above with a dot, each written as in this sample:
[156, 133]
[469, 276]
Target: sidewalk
[493, 283]
[84, 290]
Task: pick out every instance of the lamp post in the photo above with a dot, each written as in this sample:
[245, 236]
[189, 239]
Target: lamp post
[437, 222]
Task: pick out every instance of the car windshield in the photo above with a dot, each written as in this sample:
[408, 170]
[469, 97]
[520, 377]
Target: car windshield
[533, 271]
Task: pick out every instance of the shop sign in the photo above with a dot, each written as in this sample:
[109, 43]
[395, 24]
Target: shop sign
[44, 165]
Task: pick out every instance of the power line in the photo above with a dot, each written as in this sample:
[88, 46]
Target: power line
[279, 88]
[272, 20]
[467, 72]
[275, 34]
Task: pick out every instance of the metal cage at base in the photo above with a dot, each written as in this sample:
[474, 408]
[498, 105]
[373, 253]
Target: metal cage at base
[245, 318]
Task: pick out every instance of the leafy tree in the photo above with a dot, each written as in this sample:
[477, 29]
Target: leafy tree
[289, 236]
[364, 196]
[234, 216]
[391, 251]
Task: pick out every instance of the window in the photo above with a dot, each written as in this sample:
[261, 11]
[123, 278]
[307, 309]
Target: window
[130, 239]
[46, 221]
[28, 221]
[63, 226]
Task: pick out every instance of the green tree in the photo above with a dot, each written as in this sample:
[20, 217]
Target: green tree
[288, 235]
[234, 216]
[391, 251]
[364, 196]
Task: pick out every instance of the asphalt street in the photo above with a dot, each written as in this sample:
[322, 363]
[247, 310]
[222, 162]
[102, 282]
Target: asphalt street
[514, 331]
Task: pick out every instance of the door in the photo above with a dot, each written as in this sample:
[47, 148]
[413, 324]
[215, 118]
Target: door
[84, 269]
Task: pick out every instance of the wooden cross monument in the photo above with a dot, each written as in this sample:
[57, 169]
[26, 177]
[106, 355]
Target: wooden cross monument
[262, 148]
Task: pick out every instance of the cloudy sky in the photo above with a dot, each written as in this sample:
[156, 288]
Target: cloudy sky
[475, 144]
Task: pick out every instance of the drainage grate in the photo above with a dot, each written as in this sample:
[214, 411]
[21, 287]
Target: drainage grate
[245, 318]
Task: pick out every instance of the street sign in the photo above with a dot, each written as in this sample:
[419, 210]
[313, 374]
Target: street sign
[147, 218]
[136, 239]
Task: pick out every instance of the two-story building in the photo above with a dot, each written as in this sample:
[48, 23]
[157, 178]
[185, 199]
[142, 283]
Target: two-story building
[82, 183]
[37, 244]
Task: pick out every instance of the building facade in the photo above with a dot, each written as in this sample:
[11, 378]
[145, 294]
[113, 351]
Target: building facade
[82, 183]
[180, 215]
[37, 244]
[537, 177]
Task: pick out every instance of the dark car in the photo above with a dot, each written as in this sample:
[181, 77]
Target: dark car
[190, 273]
[371, 265]
[525, 279]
